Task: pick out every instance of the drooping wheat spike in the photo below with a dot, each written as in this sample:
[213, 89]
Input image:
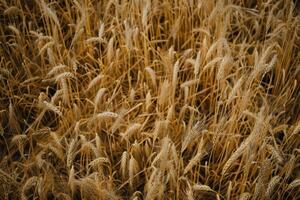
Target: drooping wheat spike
[175, 77]
[64, 75]
[56, 96]
[294, 183]
[197, 64]
[164, 93]
[72, 180]
[137, 195]
[99, 97]
[297, 128]
[190, 195]
[271, 186]
[52, 107]
[63, 196]
[164, 152]
[245, 196]
[148, 101]
[51, 56]
[99, 38]
[132, 130]
[20, 141]
[78, 34]
[271, 65]
[124, 159]
[186, 95]
[290, 165]
[11, 10]
[226, 61]
[12, 120]
[175, 28]
[71, 153]
[59, 153]
[95, 81]
[263, 176]
[145, 14]
[152, 186]
[152, 75]
[229, 190]
[187, 53]
[202, 188]
[275, 152]
[171, 113]
[110, 50]
[101, 30]
[76, 111]
[98, 146]
[107, 114]
[50, 13]
[132, 95]
[30, 182]
[211, 63]
[14, 29]
[191, 135]
[196, 159]
[257, 132]
[133, 169]
[128, 35]
[48, 45]
[65, 89]
[57, 69]
[159, 128]
[170, 59]
[189, 83]
[98, 161]
[211, 49]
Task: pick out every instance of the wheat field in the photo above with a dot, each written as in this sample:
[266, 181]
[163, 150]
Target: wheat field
[149, 99]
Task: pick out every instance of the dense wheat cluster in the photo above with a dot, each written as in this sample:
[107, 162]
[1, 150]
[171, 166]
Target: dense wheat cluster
[149, 99]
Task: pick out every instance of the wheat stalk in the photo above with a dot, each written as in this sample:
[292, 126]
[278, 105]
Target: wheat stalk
[149, 99]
